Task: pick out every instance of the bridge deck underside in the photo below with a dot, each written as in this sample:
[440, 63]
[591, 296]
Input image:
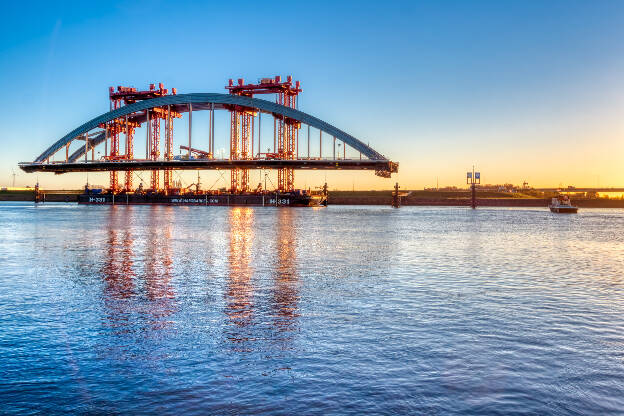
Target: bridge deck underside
[310, 164]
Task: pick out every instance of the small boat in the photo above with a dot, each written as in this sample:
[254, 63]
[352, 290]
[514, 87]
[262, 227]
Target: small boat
[562, 205]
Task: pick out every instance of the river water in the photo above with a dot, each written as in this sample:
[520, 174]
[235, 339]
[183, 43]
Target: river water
[338, 310]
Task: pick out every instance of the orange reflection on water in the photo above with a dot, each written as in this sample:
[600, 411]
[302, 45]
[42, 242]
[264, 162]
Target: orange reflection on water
[123, 295]
[239, 292]
[158, 264]
[247, 304]
[117, 270]
[285, 294]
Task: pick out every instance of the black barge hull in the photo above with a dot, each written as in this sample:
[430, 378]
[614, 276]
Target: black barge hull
[294, 199]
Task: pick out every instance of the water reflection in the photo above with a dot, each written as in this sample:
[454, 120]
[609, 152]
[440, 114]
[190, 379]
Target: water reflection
[261, 289]
[157, 276]
[117, 271]
[285, 292]
[138, 297]
[247, 301]
[239, 292]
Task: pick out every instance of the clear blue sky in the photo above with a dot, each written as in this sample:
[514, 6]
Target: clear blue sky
[525, 89]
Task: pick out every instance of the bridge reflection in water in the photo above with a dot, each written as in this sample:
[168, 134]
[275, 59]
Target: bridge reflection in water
[143, 254]
[245, 307]
[137, 280]
[239, 295]
[285, 295]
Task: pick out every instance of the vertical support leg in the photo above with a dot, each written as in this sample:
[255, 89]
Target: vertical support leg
[167, 174]
[245, 135]
[128, 180]
[190, 128]
[147, 135]
[155, 152]
[234, 151]
[253, 127]
[210, 132]
[114, 181]
[281, 154]
[114, 153]
[212, 124]
[129, 155]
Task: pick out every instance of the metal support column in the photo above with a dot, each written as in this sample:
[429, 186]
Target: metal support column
[147, 136]
[210, 138]
[253, 127]
[190, 128]
[212, 128]
[274, 134]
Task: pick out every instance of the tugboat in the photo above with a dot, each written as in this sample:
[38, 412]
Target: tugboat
[562, 205]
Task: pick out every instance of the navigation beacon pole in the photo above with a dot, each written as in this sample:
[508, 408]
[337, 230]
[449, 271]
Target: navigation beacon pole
[473, 179]
[37, 193]
[396, 198]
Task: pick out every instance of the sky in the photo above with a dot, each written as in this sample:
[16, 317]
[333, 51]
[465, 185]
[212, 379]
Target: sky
[524, 90]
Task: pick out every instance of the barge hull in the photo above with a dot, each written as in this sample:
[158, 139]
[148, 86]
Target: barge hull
[273, 199]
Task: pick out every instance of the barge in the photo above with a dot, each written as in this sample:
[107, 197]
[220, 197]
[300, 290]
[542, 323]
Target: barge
[296, 198]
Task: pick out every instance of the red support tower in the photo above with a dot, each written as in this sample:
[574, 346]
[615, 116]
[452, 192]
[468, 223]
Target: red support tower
[129, 130]
[235, 173]
[114, 177]
[127, 125]
[287, 137]
[245, 154]
[155, 151]
[113, 131]
[240, 138]
[240, 133]
[167, 174]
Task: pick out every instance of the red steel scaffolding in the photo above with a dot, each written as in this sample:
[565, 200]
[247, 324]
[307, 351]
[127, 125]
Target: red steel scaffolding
[127, 126]
[242, 128]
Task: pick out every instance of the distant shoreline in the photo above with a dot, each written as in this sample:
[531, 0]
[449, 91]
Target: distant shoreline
[418, 198]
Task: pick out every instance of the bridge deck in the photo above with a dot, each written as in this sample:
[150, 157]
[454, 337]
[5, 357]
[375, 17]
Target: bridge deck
[190, 164]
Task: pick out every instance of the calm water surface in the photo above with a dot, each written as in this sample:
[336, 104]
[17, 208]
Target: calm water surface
[342, 310]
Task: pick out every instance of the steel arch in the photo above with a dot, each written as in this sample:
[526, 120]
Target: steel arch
[203, 102]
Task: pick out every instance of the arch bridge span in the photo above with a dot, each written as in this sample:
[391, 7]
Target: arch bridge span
[92, 135]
